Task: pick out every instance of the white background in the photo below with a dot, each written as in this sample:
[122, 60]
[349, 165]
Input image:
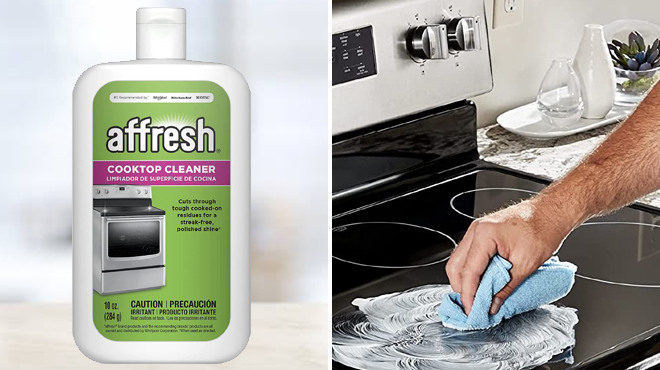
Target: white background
[280, 48]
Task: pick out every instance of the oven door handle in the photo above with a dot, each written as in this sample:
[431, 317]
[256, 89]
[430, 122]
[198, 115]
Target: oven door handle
[132, 218]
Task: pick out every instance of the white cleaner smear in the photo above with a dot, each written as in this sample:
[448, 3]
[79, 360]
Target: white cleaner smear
[403, 331]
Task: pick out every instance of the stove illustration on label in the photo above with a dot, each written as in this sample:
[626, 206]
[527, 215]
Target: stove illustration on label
[129, 239]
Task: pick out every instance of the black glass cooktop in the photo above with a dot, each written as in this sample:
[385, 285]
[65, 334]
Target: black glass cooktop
[403, 242]
[129, 211]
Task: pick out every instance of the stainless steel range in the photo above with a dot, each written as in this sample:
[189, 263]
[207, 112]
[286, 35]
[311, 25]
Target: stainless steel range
[408, 181]
[129, 239]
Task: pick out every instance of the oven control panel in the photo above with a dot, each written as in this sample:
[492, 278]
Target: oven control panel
[353, 55]
[121, 191]
[395, 58]
[439, 41]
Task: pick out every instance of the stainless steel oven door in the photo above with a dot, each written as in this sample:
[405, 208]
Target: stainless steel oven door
[132, 242]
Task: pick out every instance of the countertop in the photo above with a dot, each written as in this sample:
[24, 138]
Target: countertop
[549, 158]
[284, 336]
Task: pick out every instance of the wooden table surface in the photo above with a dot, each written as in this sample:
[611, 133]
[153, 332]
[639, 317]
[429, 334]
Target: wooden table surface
[284, 336]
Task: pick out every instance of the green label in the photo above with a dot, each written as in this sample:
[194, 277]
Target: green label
[161, 211]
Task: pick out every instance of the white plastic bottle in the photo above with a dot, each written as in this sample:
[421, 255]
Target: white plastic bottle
[161, 200]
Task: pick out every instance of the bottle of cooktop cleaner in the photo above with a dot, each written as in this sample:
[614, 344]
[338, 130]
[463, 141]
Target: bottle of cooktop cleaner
[161, 200]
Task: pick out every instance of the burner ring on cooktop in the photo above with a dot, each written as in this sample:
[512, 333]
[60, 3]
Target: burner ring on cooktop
[607, 256]
[390, 245]
[500, 200]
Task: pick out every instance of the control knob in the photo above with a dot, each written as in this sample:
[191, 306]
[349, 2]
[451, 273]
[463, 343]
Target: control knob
[464, 34]
[428, 42]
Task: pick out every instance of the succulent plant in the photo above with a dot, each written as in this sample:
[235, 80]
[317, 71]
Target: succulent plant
[636, 55]
[635, 62]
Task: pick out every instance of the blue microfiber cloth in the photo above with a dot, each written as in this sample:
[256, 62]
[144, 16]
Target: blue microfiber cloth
[552, 281]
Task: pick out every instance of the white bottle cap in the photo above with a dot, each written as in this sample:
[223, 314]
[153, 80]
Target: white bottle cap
[161, 33]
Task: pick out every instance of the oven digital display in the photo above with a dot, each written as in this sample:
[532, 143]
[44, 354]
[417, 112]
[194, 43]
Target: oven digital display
[353, 55]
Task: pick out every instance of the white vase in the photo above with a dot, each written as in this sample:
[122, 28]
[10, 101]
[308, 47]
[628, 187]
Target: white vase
[593, 66]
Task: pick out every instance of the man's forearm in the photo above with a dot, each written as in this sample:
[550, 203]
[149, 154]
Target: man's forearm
[623, 168]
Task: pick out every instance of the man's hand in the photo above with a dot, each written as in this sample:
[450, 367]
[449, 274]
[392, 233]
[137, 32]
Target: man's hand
[524, 234]
[623, 168]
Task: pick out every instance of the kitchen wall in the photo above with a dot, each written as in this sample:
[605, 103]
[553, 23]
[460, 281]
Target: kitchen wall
[522, 54]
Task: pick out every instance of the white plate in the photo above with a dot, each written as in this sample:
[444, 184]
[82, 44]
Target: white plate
[526, 121]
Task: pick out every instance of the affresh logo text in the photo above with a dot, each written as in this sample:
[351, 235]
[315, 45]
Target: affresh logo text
[188, 139]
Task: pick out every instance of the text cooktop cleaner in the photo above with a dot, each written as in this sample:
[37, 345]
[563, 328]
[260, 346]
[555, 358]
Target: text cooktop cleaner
[161, 200]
